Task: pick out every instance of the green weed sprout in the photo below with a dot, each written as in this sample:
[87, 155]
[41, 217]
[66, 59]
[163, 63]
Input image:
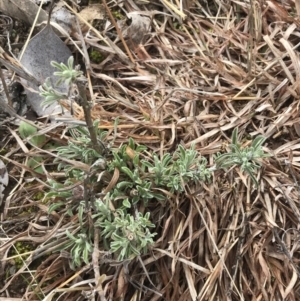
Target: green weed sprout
[129, 236]
[81, 248]
[248, 158]
[50, 94]
[66, 74]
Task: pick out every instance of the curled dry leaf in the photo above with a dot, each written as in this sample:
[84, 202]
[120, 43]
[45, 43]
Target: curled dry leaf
[140, 26]
[91, 13]
[64, 18]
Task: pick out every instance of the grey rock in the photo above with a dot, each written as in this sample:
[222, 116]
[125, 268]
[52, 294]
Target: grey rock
[43, 48]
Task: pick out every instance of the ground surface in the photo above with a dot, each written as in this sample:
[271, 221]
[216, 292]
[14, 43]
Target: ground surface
[185, 74]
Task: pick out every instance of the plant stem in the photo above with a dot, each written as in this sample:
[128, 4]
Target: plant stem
[87, 115]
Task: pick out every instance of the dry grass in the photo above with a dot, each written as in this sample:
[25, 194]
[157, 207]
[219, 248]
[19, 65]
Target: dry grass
[196, 73]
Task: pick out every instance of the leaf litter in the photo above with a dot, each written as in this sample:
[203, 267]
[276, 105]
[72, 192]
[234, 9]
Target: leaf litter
[198, 72]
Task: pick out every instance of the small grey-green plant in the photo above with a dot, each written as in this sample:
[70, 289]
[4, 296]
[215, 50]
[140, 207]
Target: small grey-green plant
[124, 234]
[80, 147]
[248, 158]
[184, 167]
[121, 157]
[130, 235]
[160, 169]
[81, 248]
[67, 73]
[50, 94]
[28, 131]
[191, 166]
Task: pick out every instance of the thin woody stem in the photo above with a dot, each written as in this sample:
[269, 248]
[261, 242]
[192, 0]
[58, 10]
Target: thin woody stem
[87, 115]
